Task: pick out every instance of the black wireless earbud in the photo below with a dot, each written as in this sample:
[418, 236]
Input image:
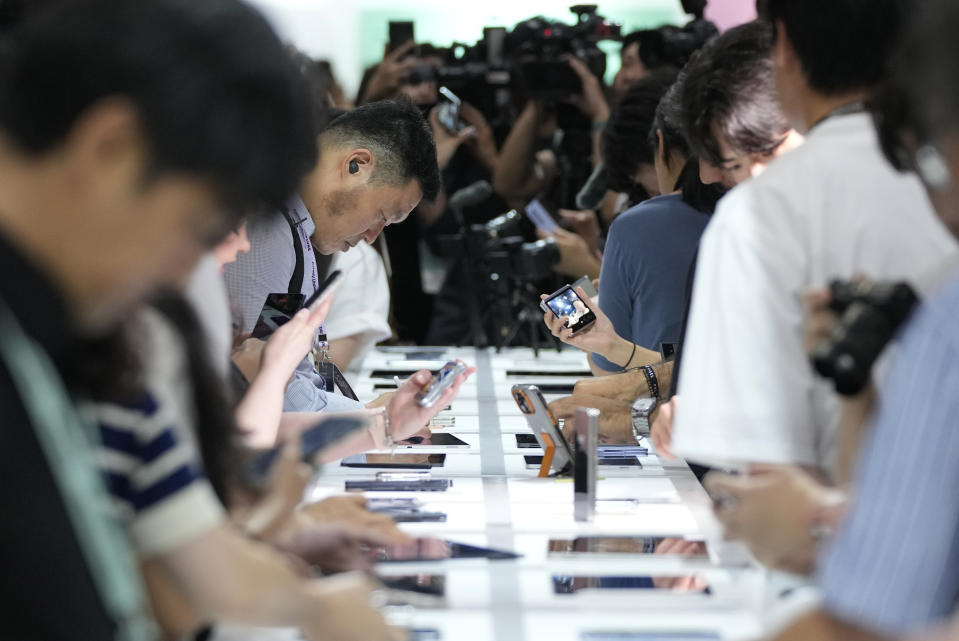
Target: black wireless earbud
[354, 168]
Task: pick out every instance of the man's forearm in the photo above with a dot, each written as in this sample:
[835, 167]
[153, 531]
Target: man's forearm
[517, 157]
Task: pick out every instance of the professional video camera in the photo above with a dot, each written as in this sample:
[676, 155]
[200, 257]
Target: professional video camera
[503, 272]
[870, 314]
[526, 59]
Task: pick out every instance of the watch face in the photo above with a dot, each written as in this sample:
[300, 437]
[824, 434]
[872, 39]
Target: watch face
[643, 405]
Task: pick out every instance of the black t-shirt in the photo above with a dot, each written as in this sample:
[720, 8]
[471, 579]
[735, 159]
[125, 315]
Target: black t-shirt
[46, 588]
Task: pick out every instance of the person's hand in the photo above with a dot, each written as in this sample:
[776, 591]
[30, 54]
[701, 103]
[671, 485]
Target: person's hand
[615, 418]
[351, 510]
[583, 222]
[343, 611]
[771, 512]
[684, 548]
[268, 514]
[483, 143]
[390, 73]
[661, 428]
[248, 357]
[293, 340]
[591, 100]
[406, 416]
[381, 401]
[600, 337]
[447, 142]
[819, 318]
[334, 547]
[576, 257]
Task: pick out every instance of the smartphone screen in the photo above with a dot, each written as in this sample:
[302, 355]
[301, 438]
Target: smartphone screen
[540, 217]
[427, 549]
[567, 304]
[673, 584]
[449, 112]
[277, 310]
[435, 439]
[414, 461]
[525, 441]
[653, 545]
[400, 32]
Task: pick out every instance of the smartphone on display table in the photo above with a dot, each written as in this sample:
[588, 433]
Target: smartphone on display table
[278, 309]
[399, 461]
[644, 545]
[534, 408]
[566, 303]
[678, 584]
[428, 549]
[649, 636]
[441, 381]
[436, 439]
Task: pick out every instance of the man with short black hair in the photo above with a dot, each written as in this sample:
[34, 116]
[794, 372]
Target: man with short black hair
[829, 209]
[731, 115]
[376, 164]
[131, 133]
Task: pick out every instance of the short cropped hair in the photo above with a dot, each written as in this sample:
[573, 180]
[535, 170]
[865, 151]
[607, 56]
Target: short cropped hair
[843, 45]
[216, 95]
[399, 137]
[729, 86]
[624, 138]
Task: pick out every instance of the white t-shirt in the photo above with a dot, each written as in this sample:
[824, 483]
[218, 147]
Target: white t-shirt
[361, 305]
[832, 208]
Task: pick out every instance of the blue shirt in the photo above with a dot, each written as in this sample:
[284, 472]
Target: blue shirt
[894, 566]
[642, 285]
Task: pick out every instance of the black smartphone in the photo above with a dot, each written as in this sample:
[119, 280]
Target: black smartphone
[436, 439]
[400, 461]
[400, 32]
[526, 441]
[314, 440]
[534, 462]
[429, 549]
[426, 485]
[673, 584]
[325, 290]
[566, 303]
[277, 310]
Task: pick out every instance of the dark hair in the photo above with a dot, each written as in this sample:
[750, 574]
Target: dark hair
[843, 45]
[623, 140]
[729, 85]
[213, 88]
[398, 134]
[668, 122]
[695, 8]
[670, 46]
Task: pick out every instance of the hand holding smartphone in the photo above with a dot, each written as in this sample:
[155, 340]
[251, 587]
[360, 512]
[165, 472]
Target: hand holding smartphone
[566, 303]
[441, 381]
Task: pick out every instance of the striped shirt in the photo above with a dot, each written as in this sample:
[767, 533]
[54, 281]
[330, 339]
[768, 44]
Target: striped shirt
[894, 566]
[148, 453]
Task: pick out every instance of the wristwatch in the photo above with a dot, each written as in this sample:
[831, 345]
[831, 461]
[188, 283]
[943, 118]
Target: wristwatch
[641, 410]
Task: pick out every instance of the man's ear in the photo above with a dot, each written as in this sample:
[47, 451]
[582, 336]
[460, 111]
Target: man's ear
[359, 164]
[106, 148]
[784, 55]
[661, 147]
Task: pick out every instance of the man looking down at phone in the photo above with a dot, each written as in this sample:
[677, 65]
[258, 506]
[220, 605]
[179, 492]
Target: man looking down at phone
[376, 164]
[727, 102]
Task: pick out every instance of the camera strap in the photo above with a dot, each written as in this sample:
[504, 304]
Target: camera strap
[69, 443]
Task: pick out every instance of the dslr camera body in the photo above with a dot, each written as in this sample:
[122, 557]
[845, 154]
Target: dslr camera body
[869, 316]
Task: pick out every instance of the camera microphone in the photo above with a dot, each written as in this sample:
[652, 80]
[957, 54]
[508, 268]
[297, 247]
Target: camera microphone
[475, 194]
[593, 192]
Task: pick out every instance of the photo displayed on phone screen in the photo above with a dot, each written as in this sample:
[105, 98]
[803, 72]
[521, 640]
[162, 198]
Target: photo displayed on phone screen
[567, 304]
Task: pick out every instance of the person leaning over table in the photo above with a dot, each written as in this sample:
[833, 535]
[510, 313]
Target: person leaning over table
[735, 129]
